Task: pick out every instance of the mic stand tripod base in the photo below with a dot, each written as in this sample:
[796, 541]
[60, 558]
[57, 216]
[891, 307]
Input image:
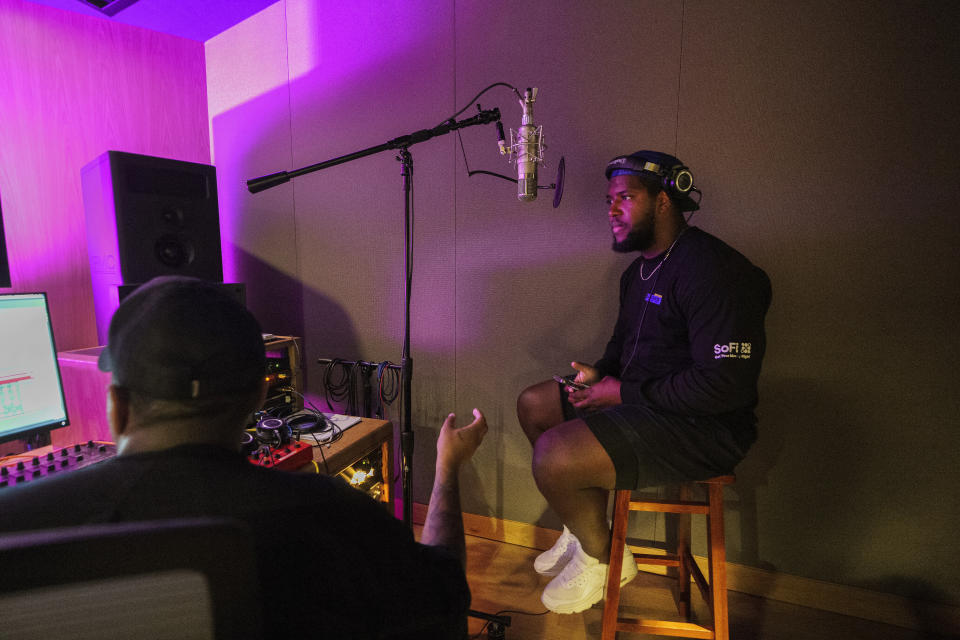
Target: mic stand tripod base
[496, 625]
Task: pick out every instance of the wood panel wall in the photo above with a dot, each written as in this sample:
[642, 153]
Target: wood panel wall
[72, 87]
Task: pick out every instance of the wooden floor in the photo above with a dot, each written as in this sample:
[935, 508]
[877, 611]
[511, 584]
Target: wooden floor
[502, 578]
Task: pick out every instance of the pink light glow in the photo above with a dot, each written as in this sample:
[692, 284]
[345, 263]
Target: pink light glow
[73, 87]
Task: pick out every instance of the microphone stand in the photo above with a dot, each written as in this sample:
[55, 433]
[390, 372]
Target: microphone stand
[402, 144]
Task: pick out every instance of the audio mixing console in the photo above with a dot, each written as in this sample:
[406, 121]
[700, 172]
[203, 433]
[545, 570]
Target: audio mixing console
[30, 467]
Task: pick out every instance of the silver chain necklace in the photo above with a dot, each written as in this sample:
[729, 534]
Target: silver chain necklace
[660, 264]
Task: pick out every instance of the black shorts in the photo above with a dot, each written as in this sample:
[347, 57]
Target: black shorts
[650, 447]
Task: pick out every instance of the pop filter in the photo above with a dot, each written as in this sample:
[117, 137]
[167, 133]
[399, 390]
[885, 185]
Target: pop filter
[558, 189]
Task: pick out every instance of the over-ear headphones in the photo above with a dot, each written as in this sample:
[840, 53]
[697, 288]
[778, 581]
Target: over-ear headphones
[273, 431]
[677, 181]
[675, 177]
[248, 444]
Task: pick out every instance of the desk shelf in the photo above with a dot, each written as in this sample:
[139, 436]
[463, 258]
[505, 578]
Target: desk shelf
[357, 442]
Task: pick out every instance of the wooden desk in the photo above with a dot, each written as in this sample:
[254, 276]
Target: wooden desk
[357, 442]
[85, 389]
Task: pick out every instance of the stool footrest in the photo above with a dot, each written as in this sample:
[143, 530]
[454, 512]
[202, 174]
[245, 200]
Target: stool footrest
[664, 628]
[694, 569]
[668, 560]
[670, 506]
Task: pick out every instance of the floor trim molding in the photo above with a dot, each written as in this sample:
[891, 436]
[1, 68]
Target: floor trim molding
[825, 596]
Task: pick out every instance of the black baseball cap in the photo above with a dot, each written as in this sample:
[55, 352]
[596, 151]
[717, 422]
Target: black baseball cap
[179, 338]
[655, 163]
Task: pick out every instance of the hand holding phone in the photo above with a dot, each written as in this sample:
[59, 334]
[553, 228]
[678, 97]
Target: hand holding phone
[570, 382]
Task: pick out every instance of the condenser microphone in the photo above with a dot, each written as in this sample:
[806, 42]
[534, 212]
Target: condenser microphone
[529, 150]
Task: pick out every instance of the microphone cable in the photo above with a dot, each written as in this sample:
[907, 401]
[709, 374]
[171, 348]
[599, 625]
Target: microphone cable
[388, 387]
[335, 390]
[305, 421]
[500, 613]
[495, 84]
[353, 401]
[471, 173]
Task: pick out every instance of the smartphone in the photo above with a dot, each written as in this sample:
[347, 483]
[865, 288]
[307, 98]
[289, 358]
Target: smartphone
[570, 382]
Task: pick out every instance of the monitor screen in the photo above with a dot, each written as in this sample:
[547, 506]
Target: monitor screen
[31, 393]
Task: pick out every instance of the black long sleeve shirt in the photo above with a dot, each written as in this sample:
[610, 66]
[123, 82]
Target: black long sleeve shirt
[701, 341]
[332, 563]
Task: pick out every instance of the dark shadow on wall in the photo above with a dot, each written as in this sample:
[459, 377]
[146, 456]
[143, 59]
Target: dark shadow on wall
[278, 301]
[331, 330]
[929, 606]
[275, 298]
[778, 416]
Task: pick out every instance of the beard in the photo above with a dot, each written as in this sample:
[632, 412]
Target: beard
[636, 240]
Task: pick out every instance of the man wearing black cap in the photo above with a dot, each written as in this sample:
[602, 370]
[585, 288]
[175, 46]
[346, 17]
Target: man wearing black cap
[671, 399]
[188, 365]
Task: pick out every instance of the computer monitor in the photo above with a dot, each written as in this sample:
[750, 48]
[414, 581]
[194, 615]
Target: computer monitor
[31, 392]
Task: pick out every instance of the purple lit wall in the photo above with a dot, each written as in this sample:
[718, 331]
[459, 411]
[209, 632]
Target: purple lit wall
[72, 87]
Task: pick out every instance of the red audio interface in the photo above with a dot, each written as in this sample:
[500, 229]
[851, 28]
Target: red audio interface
[289, 457]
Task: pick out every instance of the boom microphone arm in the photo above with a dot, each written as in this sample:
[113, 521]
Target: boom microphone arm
[262, 183]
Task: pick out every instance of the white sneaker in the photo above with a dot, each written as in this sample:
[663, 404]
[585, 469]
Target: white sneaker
[628, 571]
[581, 583]
[554, 559]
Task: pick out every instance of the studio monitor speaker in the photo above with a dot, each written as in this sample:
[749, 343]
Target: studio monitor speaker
[148, 217]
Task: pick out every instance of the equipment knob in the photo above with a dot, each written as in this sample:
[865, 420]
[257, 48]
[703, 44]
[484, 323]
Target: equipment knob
[50, 456]
[37, 473]
[89, 444]
[20, 466]
[76, 448]
[4, 472]
[64, 463]
[103, 448]
[35, 462]
[51, 468]
[64, 453]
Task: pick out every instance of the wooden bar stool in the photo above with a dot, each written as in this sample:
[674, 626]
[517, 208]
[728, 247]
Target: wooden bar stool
[713, 589]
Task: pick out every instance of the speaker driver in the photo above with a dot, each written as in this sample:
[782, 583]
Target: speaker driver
[173, 217]
[174, 251]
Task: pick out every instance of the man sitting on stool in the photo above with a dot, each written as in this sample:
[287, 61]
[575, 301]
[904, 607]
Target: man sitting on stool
[188, 365]
[673, 396]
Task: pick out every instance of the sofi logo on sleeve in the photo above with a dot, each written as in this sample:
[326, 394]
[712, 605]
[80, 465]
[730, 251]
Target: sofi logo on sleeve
[739, 350]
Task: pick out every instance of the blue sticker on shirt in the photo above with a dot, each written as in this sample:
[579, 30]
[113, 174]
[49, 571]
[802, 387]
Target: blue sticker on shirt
[655, 298]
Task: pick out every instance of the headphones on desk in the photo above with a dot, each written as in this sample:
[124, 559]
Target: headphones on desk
[277, 427]
[273, 431]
